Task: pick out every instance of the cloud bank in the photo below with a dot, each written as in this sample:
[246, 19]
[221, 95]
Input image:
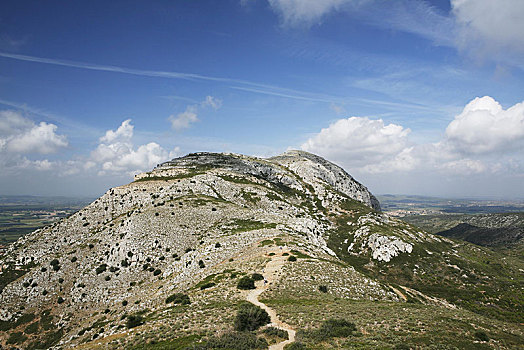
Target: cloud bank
[483, 138]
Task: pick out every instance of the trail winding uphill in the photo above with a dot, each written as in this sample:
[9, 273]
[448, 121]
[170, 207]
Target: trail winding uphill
[271, 273]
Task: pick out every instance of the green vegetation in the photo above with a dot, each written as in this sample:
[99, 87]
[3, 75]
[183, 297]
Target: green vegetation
[16, 338]
[275, 332]
[234, 341]
[134, 321]
[250, 317]
[292, 258]
[257, 277]
[246, 283]
[178, 298]
[244, 225]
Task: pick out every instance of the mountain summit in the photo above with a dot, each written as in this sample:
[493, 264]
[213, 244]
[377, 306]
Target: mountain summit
[194, 225]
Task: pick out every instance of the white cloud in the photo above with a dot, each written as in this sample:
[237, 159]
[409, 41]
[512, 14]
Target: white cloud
[212, 102]
[21, 136]
[124, 132]
[484, 126]
[360, 142]
[185, 119]
[117, 154]
[488, 26]
[483, 139]
[306, 11]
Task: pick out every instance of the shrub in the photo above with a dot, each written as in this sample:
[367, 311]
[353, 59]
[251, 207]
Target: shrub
[207, 285]
[334, 328]
[201, 264]
[481, 335]
[250, 317]
[402, 347]
[124, 302]
[16, 338]
[292, 258]
[60, 300]
[157, 272]
[60, 280]
[257, 277]
[178, 298]
[218, 245]
[101, 269]
[54, 262]
[134, 321]
[295, 346]
[285, 254]
[124, 263]
[246, 283]
[235, 341]
[323, 289]
[74, 259]
[276, 332]
[56, 267]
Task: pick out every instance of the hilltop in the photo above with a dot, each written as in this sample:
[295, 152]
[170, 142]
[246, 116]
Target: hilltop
[196, 225]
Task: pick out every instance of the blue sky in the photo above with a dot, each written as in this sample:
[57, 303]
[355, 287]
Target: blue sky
[410, 96]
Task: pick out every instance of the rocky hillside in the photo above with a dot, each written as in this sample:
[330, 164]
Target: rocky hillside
[194, 225]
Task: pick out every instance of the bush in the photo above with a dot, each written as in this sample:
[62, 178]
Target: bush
[157, 272]
[54, 262]
[276, 332]
[295, 346]
[402, 347]
[124, 263]
[218, 245]
[481, 335]
[60, 300]
[16, 338]
[74, 259]
[246, 283]
[250, 317]
[334, 328]
[178, 298]
[201, 264]
[257, 277]
[134, 321]
[235, 341]
[101, 268]
[207, 285]
[323, 289]
[292, 258]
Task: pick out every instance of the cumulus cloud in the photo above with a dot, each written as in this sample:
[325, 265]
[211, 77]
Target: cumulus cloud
[484, 138]
[361, 142]
[488, 26]
[22, 136]
[484, 126]
[117, 154]
[185, 119]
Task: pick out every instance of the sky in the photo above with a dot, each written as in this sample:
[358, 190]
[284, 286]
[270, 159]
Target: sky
[409, 96]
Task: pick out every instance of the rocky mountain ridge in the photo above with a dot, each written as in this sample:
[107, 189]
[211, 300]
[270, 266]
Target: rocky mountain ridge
[191, 222]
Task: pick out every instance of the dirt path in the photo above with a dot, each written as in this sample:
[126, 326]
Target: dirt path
[271, 274]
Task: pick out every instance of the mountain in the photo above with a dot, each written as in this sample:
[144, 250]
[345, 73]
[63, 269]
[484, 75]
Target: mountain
[486, 236]
[157, 264]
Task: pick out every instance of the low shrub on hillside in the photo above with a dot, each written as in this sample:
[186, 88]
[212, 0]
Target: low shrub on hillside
[134, 321]
[250, 317]
[333, 328]
[276, 332]
[257, 277]
[234, 341]
[178, 298]
[246, 283]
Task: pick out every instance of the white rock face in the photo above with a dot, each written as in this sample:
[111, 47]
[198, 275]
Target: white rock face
[383, 248]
